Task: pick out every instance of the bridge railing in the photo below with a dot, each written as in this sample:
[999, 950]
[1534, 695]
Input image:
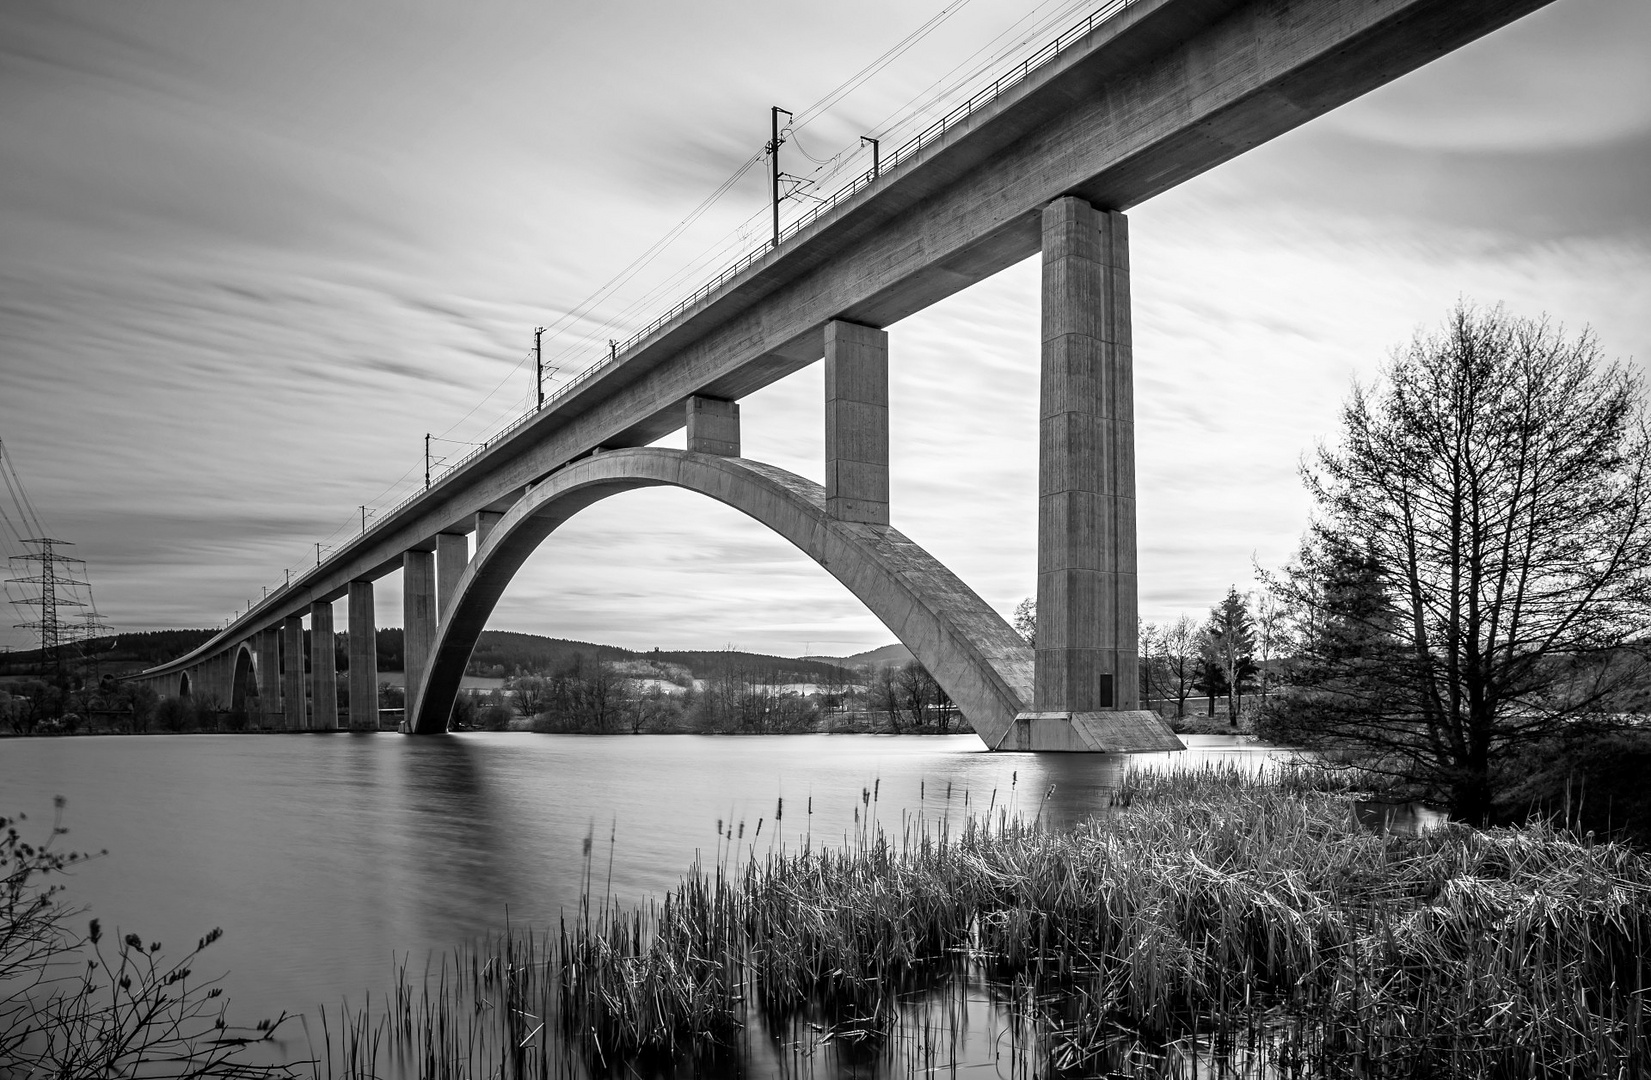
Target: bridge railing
[902, 155]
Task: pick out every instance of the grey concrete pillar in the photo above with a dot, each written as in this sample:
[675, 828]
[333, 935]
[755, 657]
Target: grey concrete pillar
[269, 677]
[485, 520]
[323, 668]
[363, 658]
[1086, 634]
[452, 555]
[713, 427]
[292, 674]
[857, 422]
[418, 618]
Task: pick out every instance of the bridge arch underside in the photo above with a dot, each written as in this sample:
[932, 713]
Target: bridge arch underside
[970, 650]
[245, 680]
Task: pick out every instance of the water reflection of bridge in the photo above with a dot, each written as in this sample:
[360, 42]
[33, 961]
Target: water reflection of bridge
[1140, 97]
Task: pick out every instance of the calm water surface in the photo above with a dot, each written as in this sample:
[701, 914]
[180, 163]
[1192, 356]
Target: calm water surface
[323, 856]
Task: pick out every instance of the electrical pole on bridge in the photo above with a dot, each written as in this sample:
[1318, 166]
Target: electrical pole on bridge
[774, 161]
[539, 363]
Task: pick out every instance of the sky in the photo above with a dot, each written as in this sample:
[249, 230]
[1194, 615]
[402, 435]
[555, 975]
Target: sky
[251, 253]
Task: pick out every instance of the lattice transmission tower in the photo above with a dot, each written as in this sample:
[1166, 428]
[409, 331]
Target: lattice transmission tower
[53, 579]
[45, 583]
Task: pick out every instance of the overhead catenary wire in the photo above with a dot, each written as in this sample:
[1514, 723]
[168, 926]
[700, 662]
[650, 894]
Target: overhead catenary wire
[830, 98]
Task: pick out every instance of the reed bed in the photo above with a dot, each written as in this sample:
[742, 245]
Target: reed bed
[1215, 909]
[1215, 924]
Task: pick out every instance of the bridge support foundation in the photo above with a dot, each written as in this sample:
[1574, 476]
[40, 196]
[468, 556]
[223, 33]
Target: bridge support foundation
[269, 678]
[713, 427]
[857, 422]
[363, 657]
[1086, 649]
[418, 619]
[292, 674]
[323, 668]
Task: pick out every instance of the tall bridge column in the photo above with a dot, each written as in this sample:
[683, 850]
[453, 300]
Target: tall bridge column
[269, 677]
[363, 657]
[292, 675]
[323, 668]
[857, 422]
[418, 618]
[1086, 647]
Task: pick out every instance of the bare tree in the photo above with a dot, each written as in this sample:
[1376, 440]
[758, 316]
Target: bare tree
[1180, 645]
[1482, 557]
[887, 695]
[1149, 649]
[531, 694]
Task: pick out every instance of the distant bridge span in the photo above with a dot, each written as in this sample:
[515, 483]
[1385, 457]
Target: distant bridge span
[1143, 96]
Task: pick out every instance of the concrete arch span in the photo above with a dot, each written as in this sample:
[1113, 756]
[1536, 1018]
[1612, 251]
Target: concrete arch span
[970, 650]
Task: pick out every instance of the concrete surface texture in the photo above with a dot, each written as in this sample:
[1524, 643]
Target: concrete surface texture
[857, 422]
[363, 658]
[292, 674]
[323, 668]
[1086, 632]
[418, 616]
[713, 426]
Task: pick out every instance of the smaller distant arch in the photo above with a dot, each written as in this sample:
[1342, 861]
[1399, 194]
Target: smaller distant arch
[183, 684]
[245, 682]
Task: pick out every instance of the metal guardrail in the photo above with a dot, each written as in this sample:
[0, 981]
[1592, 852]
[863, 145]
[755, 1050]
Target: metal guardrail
[907, 150]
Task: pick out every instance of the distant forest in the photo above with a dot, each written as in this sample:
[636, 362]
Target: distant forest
[499, 653]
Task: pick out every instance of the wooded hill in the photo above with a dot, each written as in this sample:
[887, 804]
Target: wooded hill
[499, 653]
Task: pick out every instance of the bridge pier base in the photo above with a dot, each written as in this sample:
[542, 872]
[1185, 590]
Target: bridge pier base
[269, 678]
[857, 422]
[363, 657]
[418, 619]
[292, 674]
[323, 668]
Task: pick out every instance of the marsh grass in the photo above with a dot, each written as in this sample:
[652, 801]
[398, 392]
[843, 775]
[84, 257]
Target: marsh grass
[1217, 923]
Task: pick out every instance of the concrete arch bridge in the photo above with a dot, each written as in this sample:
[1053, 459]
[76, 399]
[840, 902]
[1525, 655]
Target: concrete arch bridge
[1141, 96]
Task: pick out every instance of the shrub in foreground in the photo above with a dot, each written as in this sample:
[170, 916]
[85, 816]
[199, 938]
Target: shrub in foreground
[85, 1005]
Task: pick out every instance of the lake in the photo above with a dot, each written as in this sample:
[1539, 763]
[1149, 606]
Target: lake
[324, 856]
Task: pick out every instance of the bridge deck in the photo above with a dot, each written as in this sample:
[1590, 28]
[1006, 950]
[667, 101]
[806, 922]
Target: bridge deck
[1153, 95]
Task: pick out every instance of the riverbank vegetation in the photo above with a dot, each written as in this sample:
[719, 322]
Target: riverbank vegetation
[1211, 920]
[80, 1003]
[725, 694]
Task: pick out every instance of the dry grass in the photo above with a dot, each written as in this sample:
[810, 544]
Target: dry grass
[1216, 921]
